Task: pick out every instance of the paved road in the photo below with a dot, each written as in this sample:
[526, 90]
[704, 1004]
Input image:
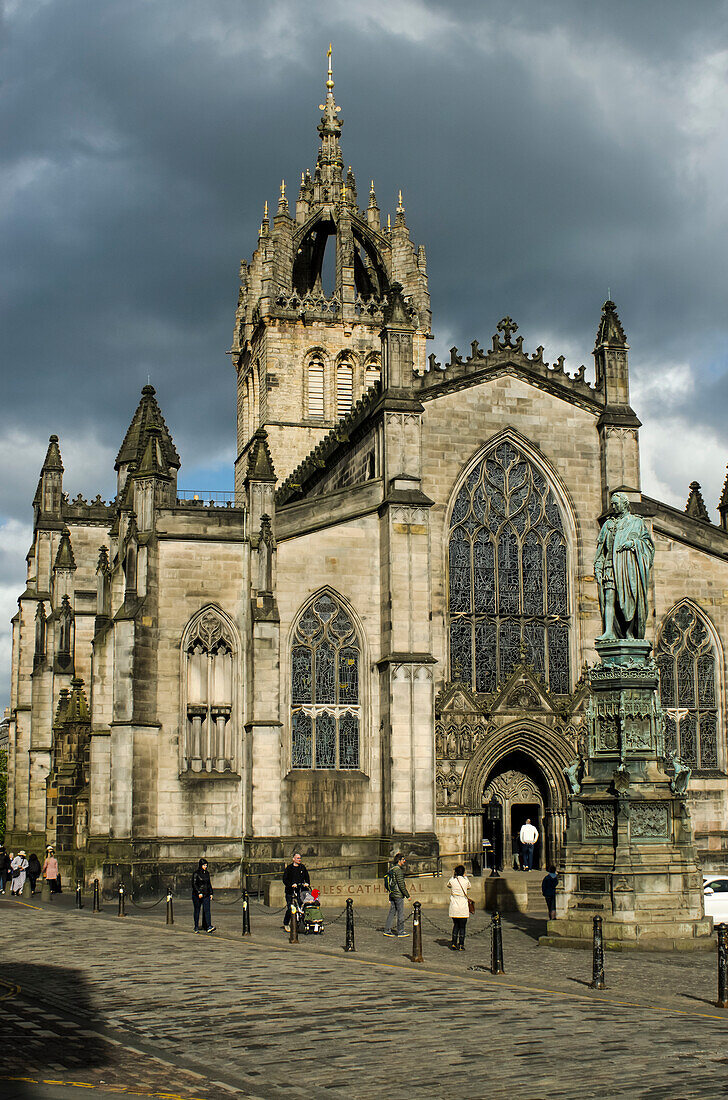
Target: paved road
[131, 1005]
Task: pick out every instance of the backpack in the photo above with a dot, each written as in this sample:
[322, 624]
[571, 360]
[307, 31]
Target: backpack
[389, 881]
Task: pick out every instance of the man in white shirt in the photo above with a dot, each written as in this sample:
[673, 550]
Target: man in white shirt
[528, 837]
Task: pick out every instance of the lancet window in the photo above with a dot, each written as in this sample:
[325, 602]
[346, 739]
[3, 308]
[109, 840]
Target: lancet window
[372, 374]
[316, 388]
[325, 689]
[507, 571]
[686, 659]
[209, 677]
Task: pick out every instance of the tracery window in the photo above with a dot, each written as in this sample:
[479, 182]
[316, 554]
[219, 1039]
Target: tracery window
[344, 389]
[325, 692]
[508, 588]
[316, 388]
[686, 659]
[209, 685]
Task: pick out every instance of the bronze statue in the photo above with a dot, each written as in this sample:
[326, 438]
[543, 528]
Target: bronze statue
[622, 566]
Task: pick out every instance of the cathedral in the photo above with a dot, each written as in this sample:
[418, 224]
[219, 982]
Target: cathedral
[378, 641]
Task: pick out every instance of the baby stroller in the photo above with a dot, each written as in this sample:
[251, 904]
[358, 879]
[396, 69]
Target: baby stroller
[308, 909]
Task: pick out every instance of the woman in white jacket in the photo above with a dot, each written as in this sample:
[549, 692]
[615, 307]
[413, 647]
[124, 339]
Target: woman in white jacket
[459, 909]
[19, 866]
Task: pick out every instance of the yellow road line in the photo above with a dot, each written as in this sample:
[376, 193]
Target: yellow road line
[159, 1093]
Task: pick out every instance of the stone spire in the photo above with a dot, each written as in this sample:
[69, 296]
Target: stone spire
[723, 505]
[148, 415]
[695, 506]
[48, 495]
[64, 557]
[610, 329]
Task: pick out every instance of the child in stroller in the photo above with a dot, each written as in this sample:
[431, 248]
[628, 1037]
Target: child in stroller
[308, 910]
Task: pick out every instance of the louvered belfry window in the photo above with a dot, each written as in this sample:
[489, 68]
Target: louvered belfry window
[316, 389]
[507, 574]
[688, 691]
[344, 389]
[325, 694]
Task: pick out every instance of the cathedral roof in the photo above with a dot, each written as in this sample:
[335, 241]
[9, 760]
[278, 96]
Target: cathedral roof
[148, 415]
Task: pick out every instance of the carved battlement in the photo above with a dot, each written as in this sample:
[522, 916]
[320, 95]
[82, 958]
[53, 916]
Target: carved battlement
[507, 352]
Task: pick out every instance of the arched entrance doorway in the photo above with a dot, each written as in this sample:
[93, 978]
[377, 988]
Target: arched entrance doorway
[516, 790]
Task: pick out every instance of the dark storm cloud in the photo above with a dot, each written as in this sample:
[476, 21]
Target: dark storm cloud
[546, 151]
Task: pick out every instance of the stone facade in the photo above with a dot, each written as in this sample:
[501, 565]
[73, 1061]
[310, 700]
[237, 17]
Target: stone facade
[379, 640]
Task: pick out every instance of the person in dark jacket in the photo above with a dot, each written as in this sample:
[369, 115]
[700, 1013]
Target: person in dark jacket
[295, 875]
[33, 870]
[548, 889]
[397, 893]
[201, 896]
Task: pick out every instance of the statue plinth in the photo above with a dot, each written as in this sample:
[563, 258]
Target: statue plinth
[629, 854]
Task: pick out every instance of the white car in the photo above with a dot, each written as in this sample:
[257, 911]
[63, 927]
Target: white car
[715, 894]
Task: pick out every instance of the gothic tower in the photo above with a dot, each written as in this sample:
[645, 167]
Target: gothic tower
[306, 344]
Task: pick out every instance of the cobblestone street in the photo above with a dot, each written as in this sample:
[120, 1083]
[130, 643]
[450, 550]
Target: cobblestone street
[132, 1006]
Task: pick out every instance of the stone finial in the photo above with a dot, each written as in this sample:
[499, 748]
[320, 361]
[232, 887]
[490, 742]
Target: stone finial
[610, 329]
[397, 311]
[695, 506]
[64, 557]
[103, 565]
[77, 709]
[399, 219]
[507, 326]
[283, 201]
[62, 707]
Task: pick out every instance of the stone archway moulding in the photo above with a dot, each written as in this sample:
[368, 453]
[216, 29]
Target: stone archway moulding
[532, 739]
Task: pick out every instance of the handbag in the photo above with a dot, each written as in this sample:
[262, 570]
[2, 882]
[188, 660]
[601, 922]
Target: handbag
[471, 904]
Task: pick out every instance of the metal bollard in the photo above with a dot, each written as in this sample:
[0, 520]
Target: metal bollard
[97, 897]
[170, 909]
[122, 905]
[722, 931]
[349, 945]
[79, 896]
[496, 945]
[293, 937]
[597, 981]
[246, 913]
[417, 932]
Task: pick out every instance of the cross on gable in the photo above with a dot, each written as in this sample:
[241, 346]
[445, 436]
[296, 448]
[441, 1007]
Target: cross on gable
[507, 326]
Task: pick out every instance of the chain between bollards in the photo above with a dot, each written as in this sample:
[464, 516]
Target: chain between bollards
[349, 945]
[722, 931]
[417, 933]
[597, 981]
[79, 896]
[97, 897]
[246, 913]
[170, 908]
[122, 902]
[496, 945]
[293, 937]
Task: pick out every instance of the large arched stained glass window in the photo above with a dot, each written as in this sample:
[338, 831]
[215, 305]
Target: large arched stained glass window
[688, 690]
[508, 591]
[325, 706]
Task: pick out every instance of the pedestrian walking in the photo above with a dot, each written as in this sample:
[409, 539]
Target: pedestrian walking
[548, 889]
[19, 866]
[294, 876]
[528, 837]
[202, 896]
[460, 906]
[6, 871]
[50, 871]
[394, 880]
[33, 870]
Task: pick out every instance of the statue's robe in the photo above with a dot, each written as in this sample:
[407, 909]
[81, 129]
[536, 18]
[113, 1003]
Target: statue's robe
[632, 565]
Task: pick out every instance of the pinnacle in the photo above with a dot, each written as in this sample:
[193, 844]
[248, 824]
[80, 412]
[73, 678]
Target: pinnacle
[260, 463]
[148, 415]
[53, 455]
[610, 329]
[64, 557]
[695, 506]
